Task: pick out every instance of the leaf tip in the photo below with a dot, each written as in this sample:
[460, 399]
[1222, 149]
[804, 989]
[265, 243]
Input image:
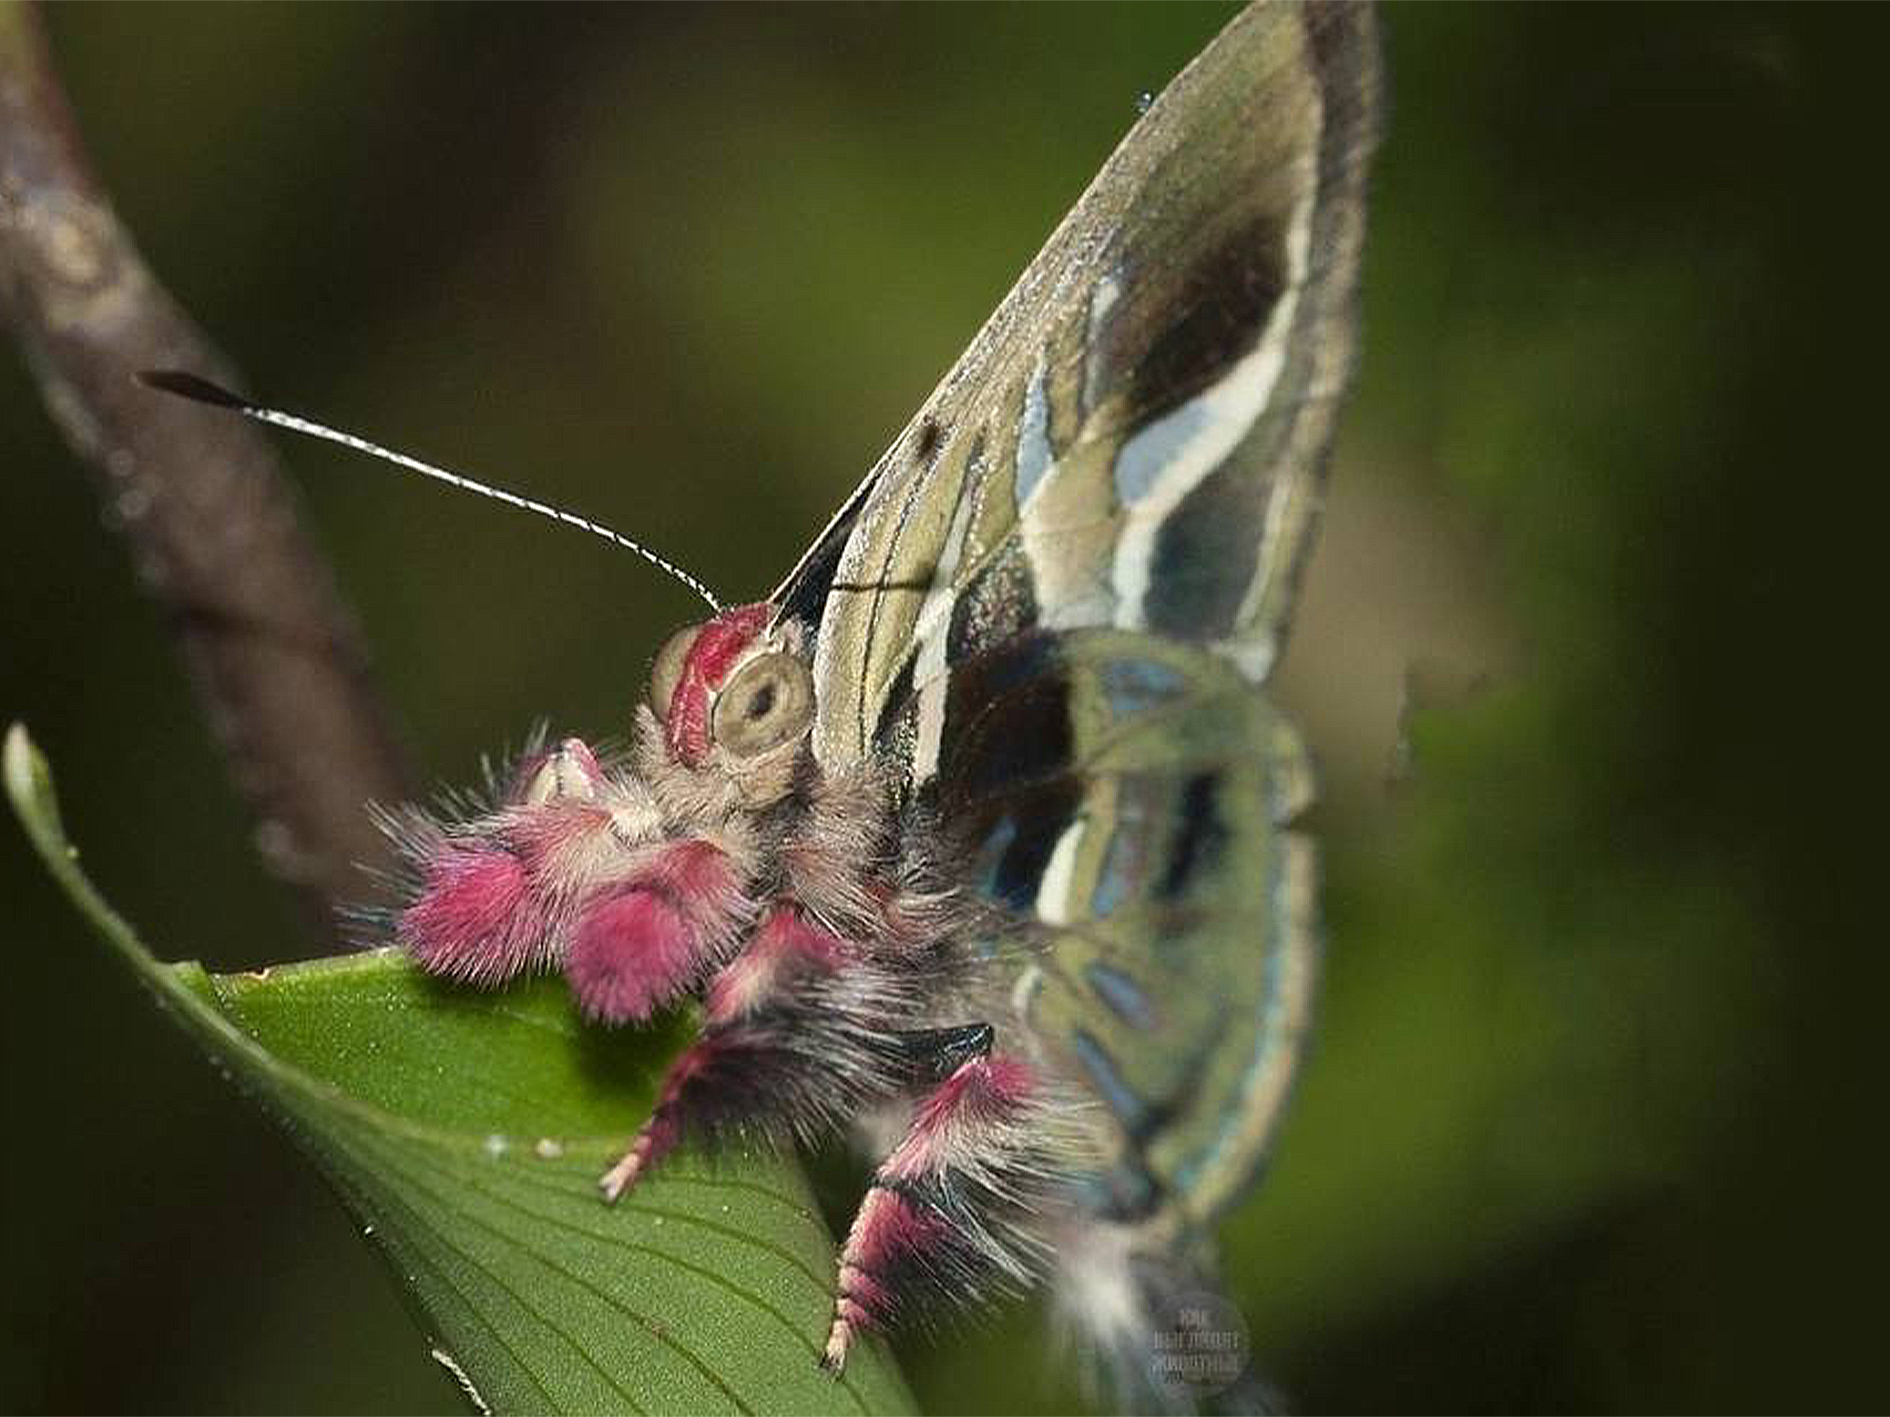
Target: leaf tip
[30, 788]
[19, 747]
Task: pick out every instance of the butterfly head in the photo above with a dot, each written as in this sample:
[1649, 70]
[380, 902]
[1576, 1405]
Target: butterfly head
[734, 693]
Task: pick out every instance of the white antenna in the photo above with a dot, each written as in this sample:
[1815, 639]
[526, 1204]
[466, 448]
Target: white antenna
[190, 386]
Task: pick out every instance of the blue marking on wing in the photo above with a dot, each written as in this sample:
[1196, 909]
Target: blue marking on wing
[1010, 864]
[1033, 439]
[991, 853]
[1112, 883]
[1144, 457]
[1133, 686]
[1123, 995]
[1132, 1110]
[1267, 1040]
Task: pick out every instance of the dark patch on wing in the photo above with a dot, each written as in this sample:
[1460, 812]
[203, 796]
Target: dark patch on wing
[1003, 777]
[1009, 840]
[1018, 871]
[804, 597]
[1204, 558]
[996, 605]
[1219, 309]
[1201, 837]
[925, 445]
[1007, 719]
[895, 710]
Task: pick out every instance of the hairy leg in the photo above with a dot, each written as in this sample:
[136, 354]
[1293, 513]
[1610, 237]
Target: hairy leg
[752, 1066]
[655, 930]
[953, 1204]
[484, 908]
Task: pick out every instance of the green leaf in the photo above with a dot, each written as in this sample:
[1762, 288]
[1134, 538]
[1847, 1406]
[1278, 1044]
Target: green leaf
[466, 1132]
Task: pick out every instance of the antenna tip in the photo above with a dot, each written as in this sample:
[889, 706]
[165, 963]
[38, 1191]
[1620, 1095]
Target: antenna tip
[189, 386]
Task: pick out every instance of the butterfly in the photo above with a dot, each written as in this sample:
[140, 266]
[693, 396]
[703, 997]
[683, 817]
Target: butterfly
[982, 828]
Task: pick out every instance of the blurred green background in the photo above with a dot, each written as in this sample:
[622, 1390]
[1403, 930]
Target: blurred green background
[1588, 1121]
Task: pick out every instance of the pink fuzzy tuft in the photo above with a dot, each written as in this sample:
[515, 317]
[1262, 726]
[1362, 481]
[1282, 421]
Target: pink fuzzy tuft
[475, 919]
[703, 883]
[983, 1092]
[633, 952]
[791, 936]
[550, 836]
[785, 944]
[984, 1086]
[1010, 1080]
[900, 1228]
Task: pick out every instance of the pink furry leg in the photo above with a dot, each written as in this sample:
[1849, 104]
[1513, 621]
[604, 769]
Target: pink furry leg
[664, 1128]
[785, 949]
[734, 1065]
[476, 917]
[711, 1085]
[946, 1204]
[485, 908]
[644, 941]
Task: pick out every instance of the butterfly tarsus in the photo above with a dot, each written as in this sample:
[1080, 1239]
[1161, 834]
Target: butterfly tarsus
[951, 1205]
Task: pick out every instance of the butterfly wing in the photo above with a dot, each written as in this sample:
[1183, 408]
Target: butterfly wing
[1056, 596]
[1135, 438]
[1131, 799]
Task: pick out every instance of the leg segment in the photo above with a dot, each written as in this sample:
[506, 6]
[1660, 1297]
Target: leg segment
[573, 866]
[710, 1088]
[953, 1203]
[481, 912]
[638, 944]
[750, 1063]
[784, 949]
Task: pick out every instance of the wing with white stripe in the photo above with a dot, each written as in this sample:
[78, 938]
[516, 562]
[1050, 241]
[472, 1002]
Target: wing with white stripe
[1135, 439]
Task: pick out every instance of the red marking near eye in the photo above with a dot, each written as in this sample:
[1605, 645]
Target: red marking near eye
[716, 648]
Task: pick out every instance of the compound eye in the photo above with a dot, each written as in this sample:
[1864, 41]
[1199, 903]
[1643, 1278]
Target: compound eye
[666, 672]
[769, 701]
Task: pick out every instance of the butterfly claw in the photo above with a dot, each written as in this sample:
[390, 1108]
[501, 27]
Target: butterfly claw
[833, 1358]
[621, 1177]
